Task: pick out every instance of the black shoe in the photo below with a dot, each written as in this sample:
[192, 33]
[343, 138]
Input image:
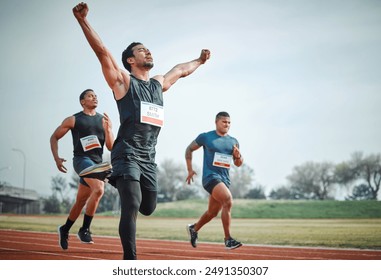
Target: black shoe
[99, 171]
[231, 243]
[192, 235]
[63, 237]
[85, 236]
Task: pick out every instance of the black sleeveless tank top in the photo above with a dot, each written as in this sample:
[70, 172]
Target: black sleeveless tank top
[134, 138]
[88, 136]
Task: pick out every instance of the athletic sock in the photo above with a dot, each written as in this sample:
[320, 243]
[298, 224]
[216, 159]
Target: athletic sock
[86, 222]
[67, 226]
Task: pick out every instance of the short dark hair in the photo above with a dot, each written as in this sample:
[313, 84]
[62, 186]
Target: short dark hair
[128, 53]
[222, 114]
[82, 95]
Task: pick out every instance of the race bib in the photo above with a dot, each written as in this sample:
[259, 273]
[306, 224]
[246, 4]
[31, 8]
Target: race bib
[222, 160]
[152, 114]
[90, 142]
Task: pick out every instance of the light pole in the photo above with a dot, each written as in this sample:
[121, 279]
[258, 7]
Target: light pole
[23, 154]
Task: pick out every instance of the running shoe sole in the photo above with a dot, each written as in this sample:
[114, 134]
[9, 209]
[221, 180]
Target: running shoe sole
[233, 247]
[84, 242]
[97, 168]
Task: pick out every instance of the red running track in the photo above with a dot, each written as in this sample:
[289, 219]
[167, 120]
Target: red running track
[26, 245]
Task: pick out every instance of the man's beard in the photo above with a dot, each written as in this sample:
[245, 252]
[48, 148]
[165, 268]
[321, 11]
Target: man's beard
[148, 65]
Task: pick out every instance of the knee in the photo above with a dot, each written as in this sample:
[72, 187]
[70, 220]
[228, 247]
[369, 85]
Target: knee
[147, 211]
[227, 203]
[98, 190]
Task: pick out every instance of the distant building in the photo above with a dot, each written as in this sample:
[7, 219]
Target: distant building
[18, 200]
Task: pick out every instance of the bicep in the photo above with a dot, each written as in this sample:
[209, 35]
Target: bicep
[65, 126]
[193, 146]
[171, 77]
[114, 76]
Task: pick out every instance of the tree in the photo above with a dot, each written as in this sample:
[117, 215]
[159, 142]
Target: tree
[60, 199]
[187, 192]
[312, 180]
[74, 182]
[51, 204]
[241, 180]
[361, 192]
[284, 192]
[364, 169]
[60, 186]
[257, 192]
[171, 180]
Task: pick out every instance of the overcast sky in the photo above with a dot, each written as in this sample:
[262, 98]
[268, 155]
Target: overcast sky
[300, 79]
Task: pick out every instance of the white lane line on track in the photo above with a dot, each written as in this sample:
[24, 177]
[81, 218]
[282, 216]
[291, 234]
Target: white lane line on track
[216, 249]
[48, 253]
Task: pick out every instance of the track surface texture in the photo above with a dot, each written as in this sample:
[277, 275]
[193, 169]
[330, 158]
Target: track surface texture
[26, 245]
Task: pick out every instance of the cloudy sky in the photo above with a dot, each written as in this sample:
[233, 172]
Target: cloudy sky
[300, 79]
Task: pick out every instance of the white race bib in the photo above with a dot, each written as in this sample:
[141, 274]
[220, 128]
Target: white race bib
[90, 142]
[152, 114]
[222, 160]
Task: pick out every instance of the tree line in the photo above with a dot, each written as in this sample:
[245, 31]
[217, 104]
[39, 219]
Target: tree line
[360, 176]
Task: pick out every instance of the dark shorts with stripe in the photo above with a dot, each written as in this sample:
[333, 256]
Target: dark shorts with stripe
[81, 163]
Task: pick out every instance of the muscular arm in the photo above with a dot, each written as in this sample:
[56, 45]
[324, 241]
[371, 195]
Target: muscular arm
[117, 79]
[184, 69]
[188, 158]
[60, 132]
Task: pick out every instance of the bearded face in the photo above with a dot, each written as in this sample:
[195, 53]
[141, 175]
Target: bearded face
[148, 65]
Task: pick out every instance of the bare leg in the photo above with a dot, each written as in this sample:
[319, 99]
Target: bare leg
[221, 198]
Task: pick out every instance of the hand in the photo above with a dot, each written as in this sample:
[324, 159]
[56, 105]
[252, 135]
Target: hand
[190, 176]
[60, 166]
[236, 152]
[204, 56]
[80, 11]
[107, 124]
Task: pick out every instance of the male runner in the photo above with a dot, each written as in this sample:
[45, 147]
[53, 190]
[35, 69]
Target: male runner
[90, 131]
[140, 103]
[220, 150]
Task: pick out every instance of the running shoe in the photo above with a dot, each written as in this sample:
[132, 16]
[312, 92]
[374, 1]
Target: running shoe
[231, 243]
[192, 235]
[99, 171]
[85, 236]
[63, 237]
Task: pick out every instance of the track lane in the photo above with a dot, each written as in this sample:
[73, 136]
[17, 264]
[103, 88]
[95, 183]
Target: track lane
[26, 245]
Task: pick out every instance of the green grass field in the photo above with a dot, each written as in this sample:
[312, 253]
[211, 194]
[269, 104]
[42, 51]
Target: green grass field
[264, 209]
[344, 224]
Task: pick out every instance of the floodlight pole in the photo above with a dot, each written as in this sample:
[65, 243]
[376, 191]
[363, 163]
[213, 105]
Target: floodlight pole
[23, 154]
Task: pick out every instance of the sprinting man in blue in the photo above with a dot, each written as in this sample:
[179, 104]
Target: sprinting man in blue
[220, 150]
